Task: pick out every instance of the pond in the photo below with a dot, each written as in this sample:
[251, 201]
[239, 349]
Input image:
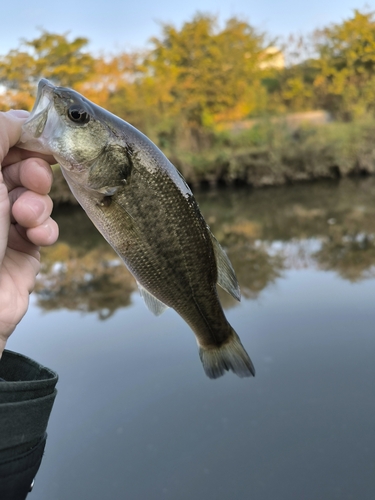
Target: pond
[136, 417]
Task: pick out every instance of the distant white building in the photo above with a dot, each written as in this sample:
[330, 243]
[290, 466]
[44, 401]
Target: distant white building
[272, 57]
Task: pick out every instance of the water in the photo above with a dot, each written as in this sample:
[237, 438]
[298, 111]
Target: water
[135, 416]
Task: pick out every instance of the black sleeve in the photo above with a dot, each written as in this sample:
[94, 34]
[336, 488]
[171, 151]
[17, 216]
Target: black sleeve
[27, 394]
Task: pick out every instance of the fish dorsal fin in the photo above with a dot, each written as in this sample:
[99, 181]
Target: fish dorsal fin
[226, 277]
[155, 305]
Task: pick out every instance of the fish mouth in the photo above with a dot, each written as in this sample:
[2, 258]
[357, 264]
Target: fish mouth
[43, 96]
[35, 124]
[42, 105]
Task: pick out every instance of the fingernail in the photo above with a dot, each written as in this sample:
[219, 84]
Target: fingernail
[37, 206]
[47, 228]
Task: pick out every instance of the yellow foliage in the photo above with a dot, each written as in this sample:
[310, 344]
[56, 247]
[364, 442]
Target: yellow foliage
[202, 75]
[346, 65]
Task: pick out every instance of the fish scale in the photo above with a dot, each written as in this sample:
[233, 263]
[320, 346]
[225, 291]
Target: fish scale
[143, 207]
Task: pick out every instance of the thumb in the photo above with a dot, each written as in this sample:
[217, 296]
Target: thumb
[4, 218]
[10, 130]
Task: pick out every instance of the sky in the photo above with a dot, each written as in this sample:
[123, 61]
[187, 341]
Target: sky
[117, 25]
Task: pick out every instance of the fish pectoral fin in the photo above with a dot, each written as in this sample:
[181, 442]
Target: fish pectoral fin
[112, 165]
[108, 190]
[226, 277]
[155, 305]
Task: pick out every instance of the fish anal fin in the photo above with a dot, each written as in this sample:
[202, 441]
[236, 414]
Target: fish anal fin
[226, 277]
[155, 305]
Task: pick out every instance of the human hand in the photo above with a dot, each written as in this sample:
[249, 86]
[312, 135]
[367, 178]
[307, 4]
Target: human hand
[25, 222]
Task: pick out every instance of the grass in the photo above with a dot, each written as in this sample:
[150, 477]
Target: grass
[272, 154]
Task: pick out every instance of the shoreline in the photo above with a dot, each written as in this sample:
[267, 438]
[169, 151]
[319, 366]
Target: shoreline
[62, 196]
[268, 155]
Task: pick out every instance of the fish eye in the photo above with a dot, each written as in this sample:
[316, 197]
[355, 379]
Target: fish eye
[78, 114]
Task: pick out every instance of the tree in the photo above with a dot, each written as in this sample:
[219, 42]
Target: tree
[346, 63]
[205, 73]
[51, 56]
[291, 88]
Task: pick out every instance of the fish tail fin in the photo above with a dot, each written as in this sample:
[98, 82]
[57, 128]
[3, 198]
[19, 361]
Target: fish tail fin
[229, 356]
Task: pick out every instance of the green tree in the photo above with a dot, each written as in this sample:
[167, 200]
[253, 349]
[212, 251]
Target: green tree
[291, 88]
[345, 84]
[207, 74]
[50, 56]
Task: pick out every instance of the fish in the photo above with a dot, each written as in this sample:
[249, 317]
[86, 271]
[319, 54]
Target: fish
[146, 211]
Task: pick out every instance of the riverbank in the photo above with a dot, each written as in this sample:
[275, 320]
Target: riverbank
[327, 225]
[270, 154]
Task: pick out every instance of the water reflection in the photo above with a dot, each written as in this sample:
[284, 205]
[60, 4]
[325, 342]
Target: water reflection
[81, 271]
[95, 280]
[352, 256]
[330, 226]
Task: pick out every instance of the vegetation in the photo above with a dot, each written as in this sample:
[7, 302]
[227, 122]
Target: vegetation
[195, 85]
[271, 154]
[310, 226]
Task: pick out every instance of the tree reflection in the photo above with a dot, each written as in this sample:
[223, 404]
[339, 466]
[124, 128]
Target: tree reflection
[352, 256]
[96, 280]
[255, 267]
[327, 226]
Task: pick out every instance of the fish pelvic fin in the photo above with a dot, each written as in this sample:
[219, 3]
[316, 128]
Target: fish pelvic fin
[229, 356]
[154, 305]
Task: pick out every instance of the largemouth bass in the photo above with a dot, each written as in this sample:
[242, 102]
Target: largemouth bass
[145, 210]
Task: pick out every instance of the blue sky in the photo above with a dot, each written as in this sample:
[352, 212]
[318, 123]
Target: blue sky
[116, 25]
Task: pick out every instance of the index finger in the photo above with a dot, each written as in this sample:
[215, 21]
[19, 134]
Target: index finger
[34, 174]
[16, 154]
